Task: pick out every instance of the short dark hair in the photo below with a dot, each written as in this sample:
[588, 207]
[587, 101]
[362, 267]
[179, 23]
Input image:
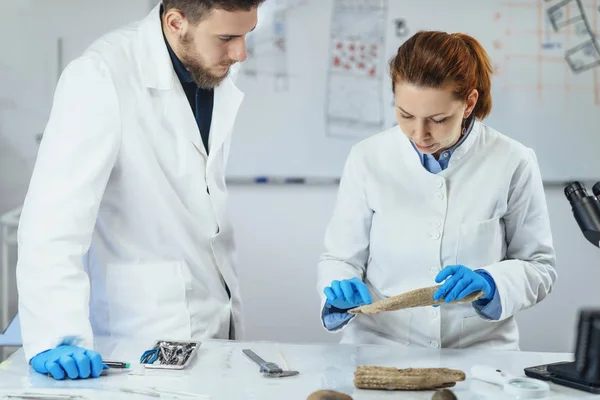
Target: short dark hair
[195, 10]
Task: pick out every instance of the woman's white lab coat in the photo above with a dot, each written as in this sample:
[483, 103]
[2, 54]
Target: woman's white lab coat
[396, 225]
[122, 171]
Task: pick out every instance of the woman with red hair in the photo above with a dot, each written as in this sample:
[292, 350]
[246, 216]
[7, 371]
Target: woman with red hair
[440, 198]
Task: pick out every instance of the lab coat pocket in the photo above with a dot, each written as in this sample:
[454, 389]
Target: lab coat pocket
[477, 332]
[481, 243]
[148, 300]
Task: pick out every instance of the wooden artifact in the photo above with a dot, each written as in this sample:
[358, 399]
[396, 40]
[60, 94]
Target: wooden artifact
[415, 298]
[371, 377]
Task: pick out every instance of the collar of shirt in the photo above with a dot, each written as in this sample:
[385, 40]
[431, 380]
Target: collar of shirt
[434, 166]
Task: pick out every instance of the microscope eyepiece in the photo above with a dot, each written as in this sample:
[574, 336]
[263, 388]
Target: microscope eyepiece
[586, 209]
[596, 190]
[575, 191]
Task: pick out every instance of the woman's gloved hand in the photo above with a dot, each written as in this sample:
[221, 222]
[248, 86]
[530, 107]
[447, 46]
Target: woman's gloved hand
[347, 294]
[461, 281]
[72, 361]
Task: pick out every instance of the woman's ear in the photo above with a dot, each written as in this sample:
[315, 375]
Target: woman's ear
[471, 102]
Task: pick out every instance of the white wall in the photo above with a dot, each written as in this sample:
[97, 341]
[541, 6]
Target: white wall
[279, 229]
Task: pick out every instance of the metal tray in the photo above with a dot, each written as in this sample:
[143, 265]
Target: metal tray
[190, 352]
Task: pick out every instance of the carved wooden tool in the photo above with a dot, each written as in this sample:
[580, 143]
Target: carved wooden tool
[370, 377]
[415, 298]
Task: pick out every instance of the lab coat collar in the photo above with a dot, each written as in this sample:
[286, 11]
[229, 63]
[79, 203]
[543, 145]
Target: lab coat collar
[470, 140]
[158, 73]
[155, 63]
[228, 99]
[413, 158]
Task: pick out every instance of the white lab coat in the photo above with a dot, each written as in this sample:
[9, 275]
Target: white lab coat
[122, 171]
[396, 225]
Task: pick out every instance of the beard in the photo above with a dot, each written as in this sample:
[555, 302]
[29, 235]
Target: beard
[194, 63]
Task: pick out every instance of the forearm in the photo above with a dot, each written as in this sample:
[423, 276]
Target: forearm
[521, 284]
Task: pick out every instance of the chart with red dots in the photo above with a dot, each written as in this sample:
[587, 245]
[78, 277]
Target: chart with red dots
[355, 57]
[355, 71]
[317, 78]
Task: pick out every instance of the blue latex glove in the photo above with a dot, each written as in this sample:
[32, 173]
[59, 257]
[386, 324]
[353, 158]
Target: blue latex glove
[72, 361]
[461, 281]
[347, 294]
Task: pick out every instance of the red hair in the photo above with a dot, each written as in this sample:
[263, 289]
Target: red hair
[440, 60]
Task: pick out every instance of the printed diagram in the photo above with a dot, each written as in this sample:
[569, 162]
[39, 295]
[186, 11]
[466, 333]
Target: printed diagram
[354, 92]
[549, 46]
[585, 55]
[267, 48]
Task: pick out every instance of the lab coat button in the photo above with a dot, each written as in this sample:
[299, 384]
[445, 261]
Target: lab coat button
[435, 344]
[433, 313]
[440, 183]
[438, 224]
[439, 196]
[434, 235]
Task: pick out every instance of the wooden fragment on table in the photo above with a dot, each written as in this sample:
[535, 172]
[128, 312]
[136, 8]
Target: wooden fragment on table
[389, 378]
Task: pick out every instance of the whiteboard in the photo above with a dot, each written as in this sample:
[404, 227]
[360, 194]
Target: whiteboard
[307, 101]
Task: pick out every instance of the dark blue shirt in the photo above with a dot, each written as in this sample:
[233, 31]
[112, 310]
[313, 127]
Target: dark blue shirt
[201, 100]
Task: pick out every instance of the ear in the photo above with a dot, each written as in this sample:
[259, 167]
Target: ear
[471, 102]
[174, 22]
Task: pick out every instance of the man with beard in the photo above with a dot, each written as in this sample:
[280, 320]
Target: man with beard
[124, 232]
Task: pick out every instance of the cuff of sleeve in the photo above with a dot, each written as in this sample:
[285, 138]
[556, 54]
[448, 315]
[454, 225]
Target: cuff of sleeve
[334, 319]
[489, 309]
[490, 281]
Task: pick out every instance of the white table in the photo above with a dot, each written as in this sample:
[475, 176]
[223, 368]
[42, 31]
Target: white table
[222, 371]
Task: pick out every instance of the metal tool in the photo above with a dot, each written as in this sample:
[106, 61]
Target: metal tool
[169, 355]
[43, 396]
[269, 369]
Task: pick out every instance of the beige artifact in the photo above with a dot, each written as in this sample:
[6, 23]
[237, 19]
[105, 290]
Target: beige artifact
[371, 377]
[415, 298]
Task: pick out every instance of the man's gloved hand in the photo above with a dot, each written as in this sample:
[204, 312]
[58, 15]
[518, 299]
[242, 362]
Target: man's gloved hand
[462, 281]
[75, 362]
[347, 294]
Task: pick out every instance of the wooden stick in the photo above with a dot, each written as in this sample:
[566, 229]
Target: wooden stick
[415, 298]
[371, 377]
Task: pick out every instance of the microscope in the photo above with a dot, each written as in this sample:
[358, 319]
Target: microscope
[584, 372]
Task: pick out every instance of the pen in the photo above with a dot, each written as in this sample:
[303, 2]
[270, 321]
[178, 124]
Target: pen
[116, 364]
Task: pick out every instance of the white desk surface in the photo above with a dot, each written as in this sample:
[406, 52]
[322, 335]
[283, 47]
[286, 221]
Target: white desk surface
[222, 371]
